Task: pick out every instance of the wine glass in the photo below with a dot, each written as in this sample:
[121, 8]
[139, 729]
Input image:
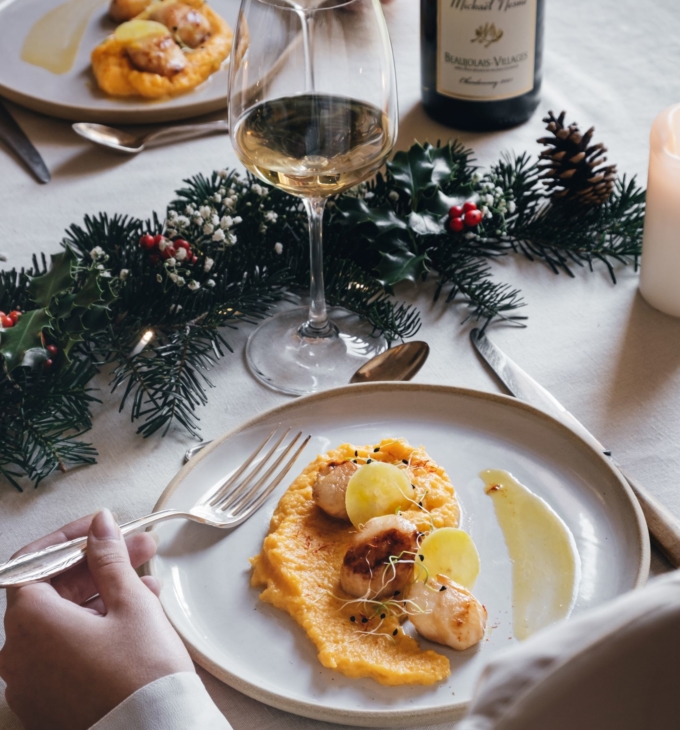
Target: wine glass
[315, 120]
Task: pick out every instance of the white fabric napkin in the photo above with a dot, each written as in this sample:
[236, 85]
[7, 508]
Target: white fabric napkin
[614, 668]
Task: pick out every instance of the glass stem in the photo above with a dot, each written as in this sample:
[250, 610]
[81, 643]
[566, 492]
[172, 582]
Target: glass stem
[318, 324]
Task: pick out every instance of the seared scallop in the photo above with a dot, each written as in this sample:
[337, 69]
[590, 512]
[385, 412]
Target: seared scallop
[122, 10]
[379, 561]
[330, 488]
[157, 54]
[447, 613]
[187, 25]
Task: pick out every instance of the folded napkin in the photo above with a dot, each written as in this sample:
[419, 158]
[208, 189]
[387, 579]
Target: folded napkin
[616, 667]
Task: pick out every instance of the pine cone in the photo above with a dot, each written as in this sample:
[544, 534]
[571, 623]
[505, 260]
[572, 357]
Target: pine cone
[572, 171]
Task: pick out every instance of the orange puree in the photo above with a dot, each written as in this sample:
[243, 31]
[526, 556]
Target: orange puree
[299, 569]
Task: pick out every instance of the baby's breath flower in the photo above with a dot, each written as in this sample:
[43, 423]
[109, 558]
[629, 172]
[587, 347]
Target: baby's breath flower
[100, 267]
[208, 264]
[210, 283]
[217, 198]
[172, 215]
[205, 212]
[208, 229]
[278, 247]
[232, 239]
[218, 235]
[181, 254]
[222, 174]
[257, 189]
[159, 278]
[227, 221]
[182, 221]
[370, 194]
[177, 279]
[393, 195]
[98, 253]
[271, 216]
[124, 273]
[163, 244]
[511, 206]
[174, 308]
[106, 274]
[237, 220]
[475, 178]
[215, 220]
[197, 219]
[194, 285]
[189, 209]
[171, 262]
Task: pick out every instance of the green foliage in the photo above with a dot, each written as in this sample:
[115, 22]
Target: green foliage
[158, 325]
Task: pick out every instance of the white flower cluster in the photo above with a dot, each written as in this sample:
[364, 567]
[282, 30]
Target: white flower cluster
[492, 197]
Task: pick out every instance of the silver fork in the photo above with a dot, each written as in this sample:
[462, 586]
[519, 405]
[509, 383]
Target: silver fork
[228, 503]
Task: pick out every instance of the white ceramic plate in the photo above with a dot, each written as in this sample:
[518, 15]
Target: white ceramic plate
[75, 95]
[262, 652]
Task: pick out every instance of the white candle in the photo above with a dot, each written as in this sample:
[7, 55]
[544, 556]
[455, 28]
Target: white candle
[660, 265]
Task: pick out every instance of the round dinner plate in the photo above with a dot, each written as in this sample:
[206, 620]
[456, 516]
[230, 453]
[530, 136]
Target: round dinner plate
[262, 652]
[75, 95]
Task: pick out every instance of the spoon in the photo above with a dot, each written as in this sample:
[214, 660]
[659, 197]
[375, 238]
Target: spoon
[398, 363]
[130, 144]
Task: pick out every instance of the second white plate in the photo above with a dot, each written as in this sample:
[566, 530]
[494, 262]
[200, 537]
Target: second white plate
[262, 652]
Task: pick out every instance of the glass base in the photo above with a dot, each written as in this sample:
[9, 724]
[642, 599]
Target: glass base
[282, 358]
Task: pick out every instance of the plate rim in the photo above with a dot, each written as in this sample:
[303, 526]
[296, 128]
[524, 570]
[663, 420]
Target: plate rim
[403, 716]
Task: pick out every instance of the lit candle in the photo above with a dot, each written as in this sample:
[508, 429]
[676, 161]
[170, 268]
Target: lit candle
[660, 266]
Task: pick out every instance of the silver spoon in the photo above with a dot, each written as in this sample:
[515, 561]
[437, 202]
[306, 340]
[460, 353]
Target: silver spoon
[398, 363]
[130, 144]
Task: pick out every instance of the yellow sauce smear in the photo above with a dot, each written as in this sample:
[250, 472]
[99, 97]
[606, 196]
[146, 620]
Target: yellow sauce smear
[299, 569]
[53, 41]
[546, 566]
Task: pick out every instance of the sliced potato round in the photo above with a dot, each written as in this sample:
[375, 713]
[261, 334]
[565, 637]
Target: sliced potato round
[374, 490]
[134, 30]
[449, 551]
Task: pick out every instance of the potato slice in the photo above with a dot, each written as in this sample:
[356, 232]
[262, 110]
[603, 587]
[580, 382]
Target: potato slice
[135, 30]
[376, 489]
[449, 551]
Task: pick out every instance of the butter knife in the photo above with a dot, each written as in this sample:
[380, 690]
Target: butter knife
[12, 134]
[663, 526]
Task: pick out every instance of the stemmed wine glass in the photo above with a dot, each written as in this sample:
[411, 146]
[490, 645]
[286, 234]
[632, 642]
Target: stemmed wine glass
[314, 121]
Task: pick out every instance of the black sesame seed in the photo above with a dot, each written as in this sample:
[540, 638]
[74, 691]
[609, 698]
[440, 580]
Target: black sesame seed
[364, 620]
[376, 449]
[420, 504]
[395, 632]
[354, 461]
[404, 461]
[396, 593]
[368, 461]
[352, 618]
[443, 588]
[382, 615]
[356, 453]
[413, 486]
[421, 556]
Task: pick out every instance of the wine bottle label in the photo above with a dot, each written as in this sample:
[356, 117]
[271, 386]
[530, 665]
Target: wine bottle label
[485, 48]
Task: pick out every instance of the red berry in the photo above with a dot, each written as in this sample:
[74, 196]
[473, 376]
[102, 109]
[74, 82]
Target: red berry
[181, 243]
[455, 211]
[47, 364]
[469, 205]
[168, 252]
[473, 218]
[154, 259]
[6, 321]
[147, 241]
[456, 224]
[14, 315]
[194, 259]
[157, 239]
[52, 349]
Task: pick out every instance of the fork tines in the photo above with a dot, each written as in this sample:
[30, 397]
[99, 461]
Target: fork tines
[241, 494]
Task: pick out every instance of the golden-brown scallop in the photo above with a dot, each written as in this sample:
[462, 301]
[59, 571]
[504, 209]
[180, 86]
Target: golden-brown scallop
[122, 10]
[330, 488]
[447, 613]
[157, 54]
[367, 570]
[188, 25]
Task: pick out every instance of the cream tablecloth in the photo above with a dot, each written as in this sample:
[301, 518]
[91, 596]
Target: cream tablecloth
[607, 355]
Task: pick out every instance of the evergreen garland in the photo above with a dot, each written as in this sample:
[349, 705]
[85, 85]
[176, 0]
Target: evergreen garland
[158, 322]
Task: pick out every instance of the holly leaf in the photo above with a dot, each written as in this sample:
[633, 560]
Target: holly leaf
[90, 292]
[26, 335]
[382, 218]
[421, 170]
[426, 224]
[57, 280]
[399, 266]
[96, 318]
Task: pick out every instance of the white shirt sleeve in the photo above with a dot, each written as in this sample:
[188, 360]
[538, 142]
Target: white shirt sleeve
[176, 702]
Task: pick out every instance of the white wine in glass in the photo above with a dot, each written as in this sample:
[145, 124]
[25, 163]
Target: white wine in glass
[314, 121]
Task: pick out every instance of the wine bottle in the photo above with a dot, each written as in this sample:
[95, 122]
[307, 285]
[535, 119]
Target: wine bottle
[481, 61]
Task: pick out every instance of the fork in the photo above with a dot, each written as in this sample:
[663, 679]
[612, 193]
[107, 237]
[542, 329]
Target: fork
[228, 503]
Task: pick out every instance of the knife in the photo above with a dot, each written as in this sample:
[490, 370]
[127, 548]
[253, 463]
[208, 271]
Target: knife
[12, 134]
[663, 526]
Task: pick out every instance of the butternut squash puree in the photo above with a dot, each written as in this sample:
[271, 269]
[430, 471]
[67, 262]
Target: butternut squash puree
[117, 76]
[299, 569]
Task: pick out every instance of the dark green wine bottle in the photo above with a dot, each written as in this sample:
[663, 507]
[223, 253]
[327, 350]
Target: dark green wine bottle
[481, 61]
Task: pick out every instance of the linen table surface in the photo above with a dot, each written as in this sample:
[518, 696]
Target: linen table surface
[608, 356]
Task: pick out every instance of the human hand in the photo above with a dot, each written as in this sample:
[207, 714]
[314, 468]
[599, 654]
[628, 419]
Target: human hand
[69, 658]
